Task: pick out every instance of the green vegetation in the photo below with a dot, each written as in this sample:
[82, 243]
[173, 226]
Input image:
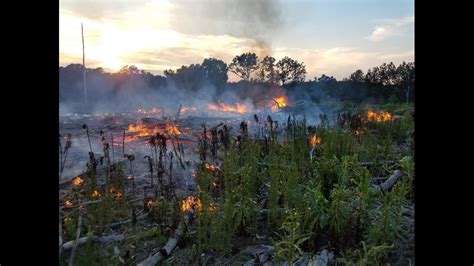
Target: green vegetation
[298, 196]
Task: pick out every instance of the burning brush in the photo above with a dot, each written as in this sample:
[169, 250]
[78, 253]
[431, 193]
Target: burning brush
[314, 141]
[378, 117]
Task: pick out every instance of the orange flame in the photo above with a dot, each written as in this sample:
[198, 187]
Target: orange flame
[118, 195]
[171, 129]
[281, 101]
[95, 194]
[357, 133]
[152, 111]
[185, 109]
[381, 117]
[140, 130]
[239, 108]
[209, 166]
[191, 203]
[77, 181]
[149, 202]
[212, 207]
[315, 140]
[68, 203]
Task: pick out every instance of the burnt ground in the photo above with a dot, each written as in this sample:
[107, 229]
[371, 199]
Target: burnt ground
[191, 129]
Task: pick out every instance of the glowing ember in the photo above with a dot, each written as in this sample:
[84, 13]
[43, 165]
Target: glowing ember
[152, 111]
[185, 109]
[68, 203]
[239, 108]
[95, 194]
[190, 203]
[381, 117]
[315, 140]
[149, 202]
[281, 101]
[77, 181]
[357, 133]
[212, 207]
[209, 167]
[118, 195]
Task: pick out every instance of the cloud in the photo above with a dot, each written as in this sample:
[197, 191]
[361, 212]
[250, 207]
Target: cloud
[408, 55]
[146, 35]
[390, 27]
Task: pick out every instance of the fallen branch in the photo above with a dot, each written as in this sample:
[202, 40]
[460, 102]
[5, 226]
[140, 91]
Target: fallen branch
[90, 203]
[375, 163]
[166, 250]
[81, 204]
[97, 239]
[387, 185]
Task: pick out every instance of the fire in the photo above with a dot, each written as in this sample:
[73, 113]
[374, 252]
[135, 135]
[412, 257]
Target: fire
[118, 195]
[239, 108]
[315, 140]
[68, 203]
[209, 167]
[171, 129]
[281, 101]
[381, 117]
[191, 203]
[185, 109]
[152, 111]
[212, 207]
[95, 194]
[77, 181]
[149, 202]
[140, 130]
[357, 133]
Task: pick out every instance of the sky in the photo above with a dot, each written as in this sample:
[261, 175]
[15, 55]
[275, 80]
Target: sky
[332, 37]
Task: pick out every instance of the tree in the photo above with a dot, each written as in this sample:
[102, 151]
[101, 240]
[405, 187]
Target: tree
[388, 74]
[357, 76]
[267, 70]
[129, 70]
[406, 77]
[191, 77]
[216, 71]
[243, 65]
[289, 70]
[326, 79]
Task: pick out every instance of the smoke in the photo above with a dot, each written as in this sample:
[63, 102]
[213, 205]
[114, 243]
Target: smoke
[256, 20]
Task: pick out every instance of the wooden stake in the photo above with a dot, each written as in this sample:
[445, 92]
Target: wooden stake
[84, 65]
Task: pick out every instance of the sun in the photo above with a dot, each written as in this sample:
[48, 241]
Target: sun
[111, 61]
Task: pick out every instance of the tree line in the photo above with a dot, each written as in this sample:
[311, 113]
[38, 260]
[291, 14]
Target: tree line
[386, 82]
